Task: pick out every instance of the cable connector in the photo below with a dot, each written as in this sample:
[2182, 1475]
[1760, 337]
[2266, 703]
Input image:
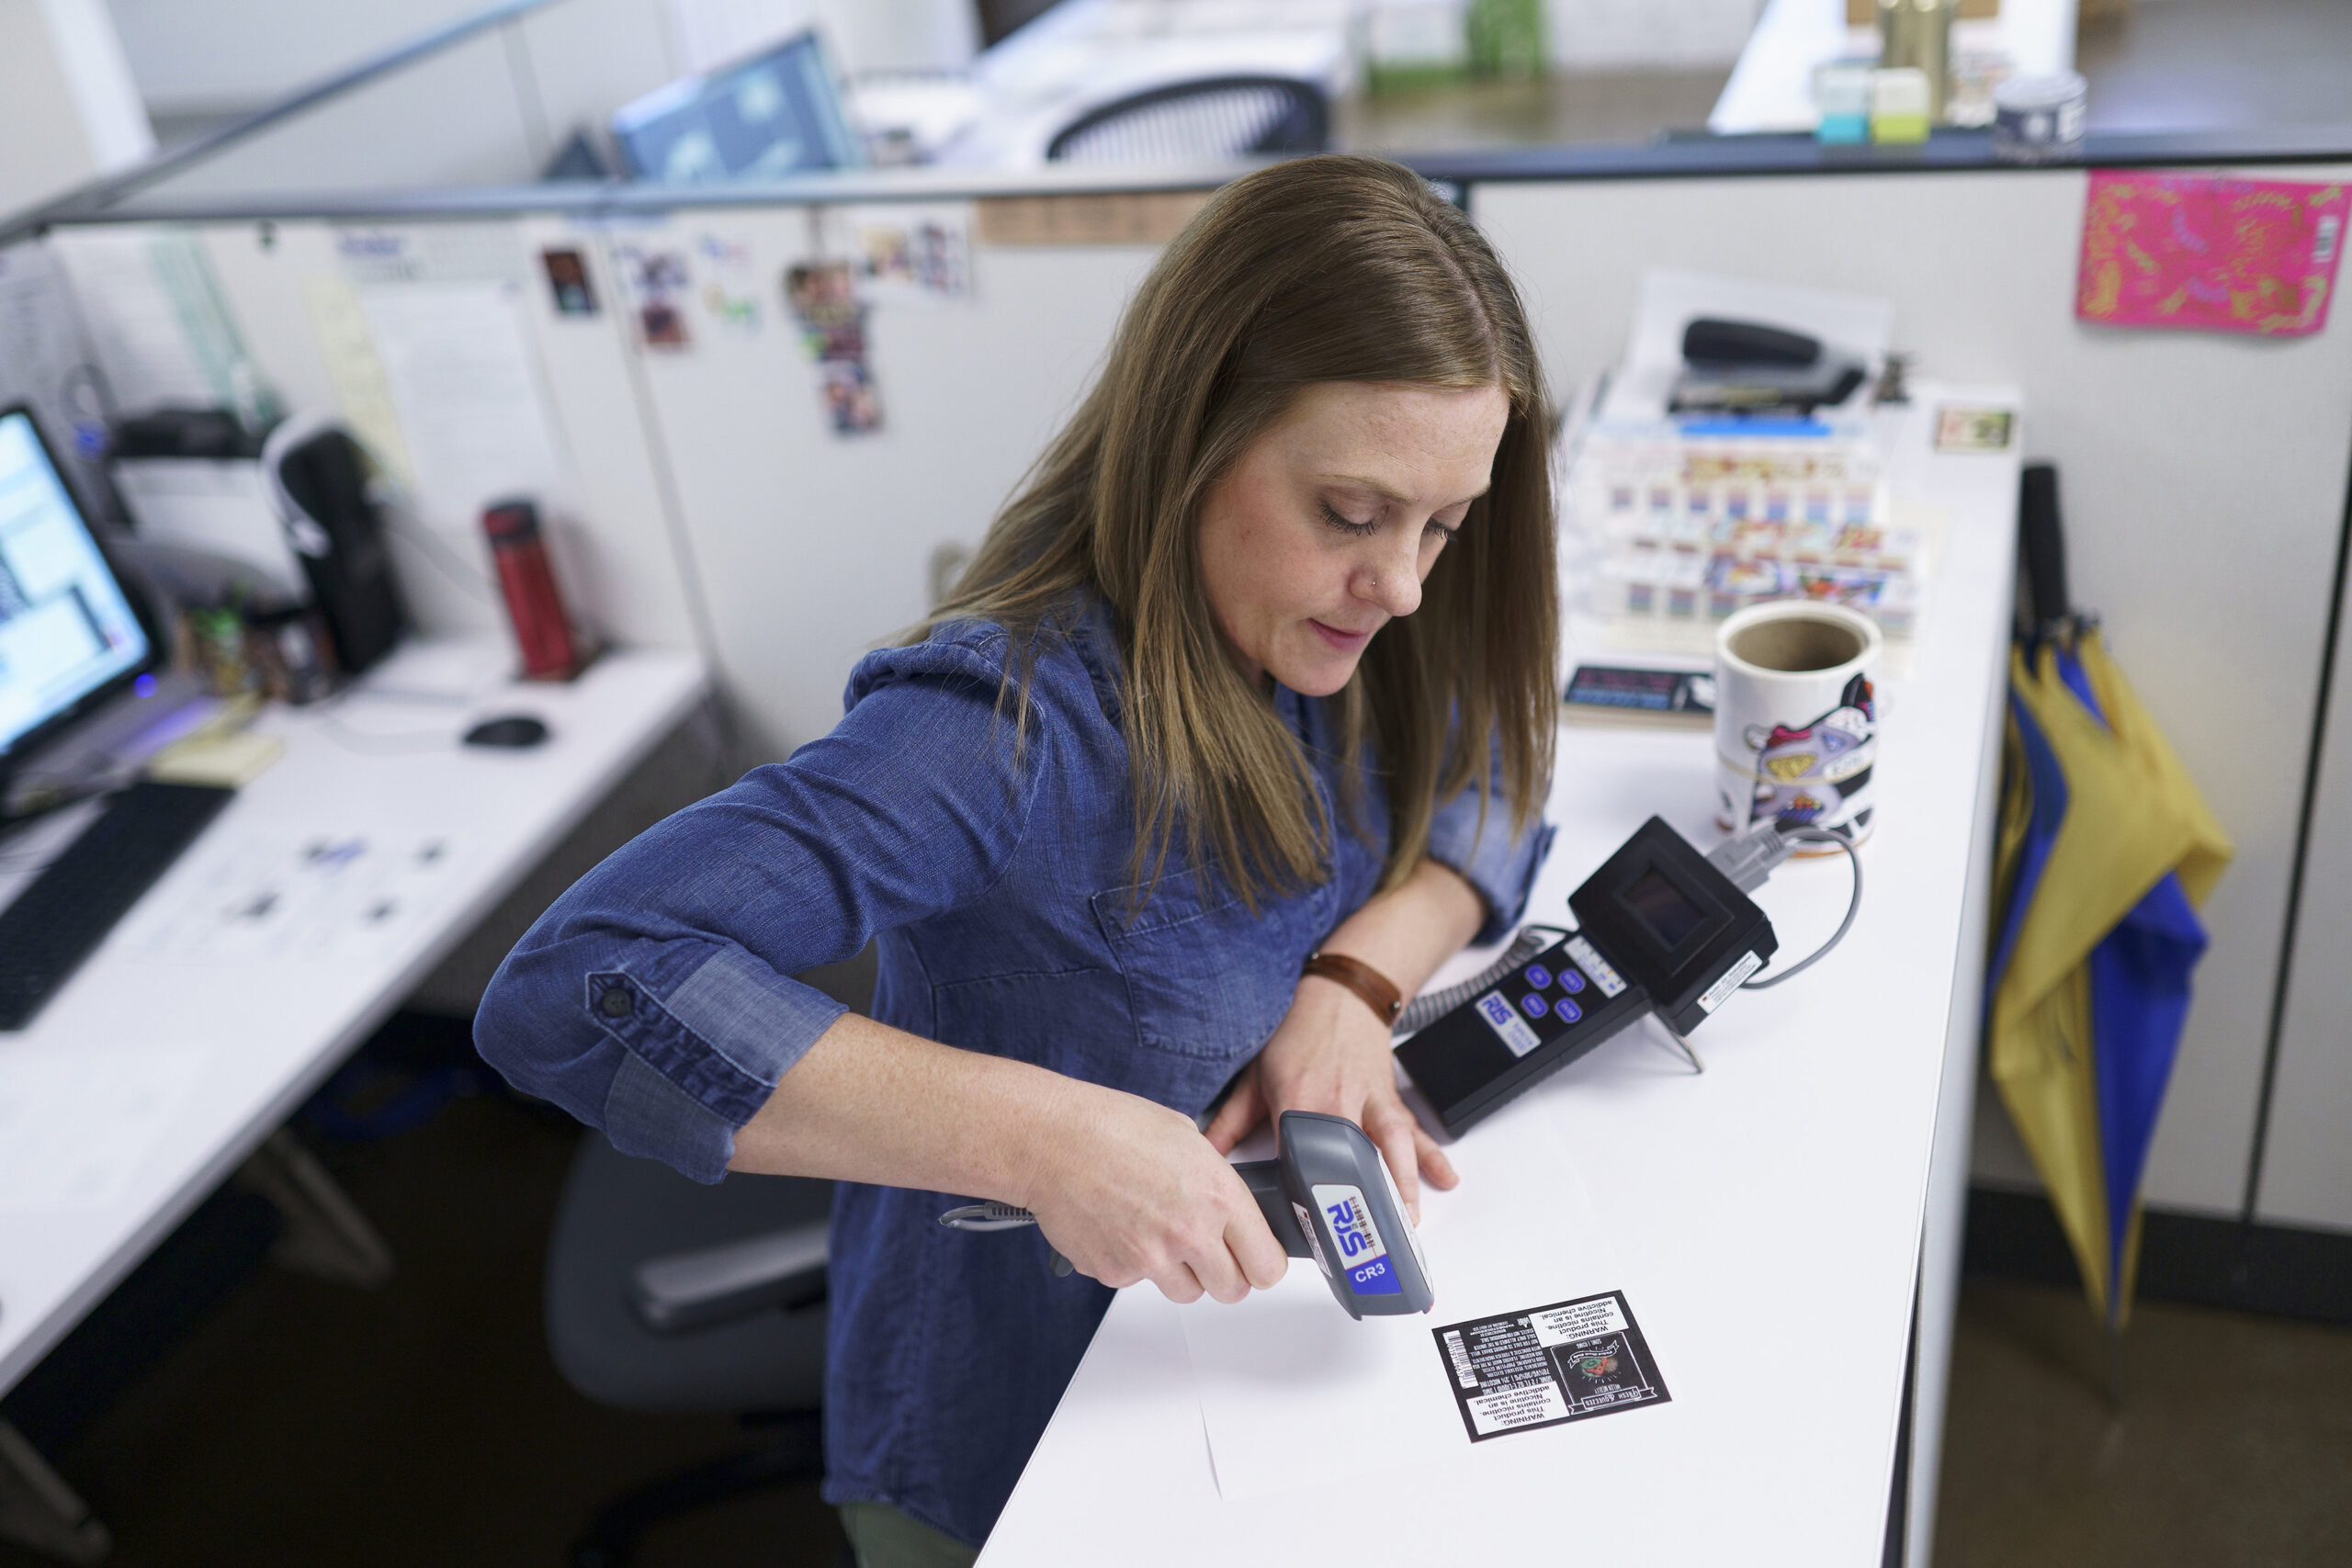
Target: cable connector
[1747, 860]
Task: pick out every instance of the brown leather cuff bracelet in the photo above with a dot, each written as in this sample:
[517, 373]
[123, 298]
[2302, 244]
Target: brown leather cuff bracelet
[1378, 990]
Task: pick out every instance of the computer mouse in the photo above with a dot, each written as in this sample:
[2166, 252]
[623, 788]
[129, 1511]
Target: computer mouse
[513, 731]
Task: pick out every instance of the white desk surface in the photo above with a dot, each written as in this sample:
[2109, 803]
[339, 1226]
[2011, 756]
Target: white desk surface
[267, 1031]
[1767, 1216]
[1771, 85]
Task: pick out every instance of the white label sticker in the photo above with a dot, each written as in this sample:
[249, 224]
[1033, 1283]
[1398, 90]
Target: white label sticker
[1314, 1237]
[1604, 975]
[1716, 994]
[1403, 1218]
[1578, 1320]
[1521, 1404]
[1504, 1020]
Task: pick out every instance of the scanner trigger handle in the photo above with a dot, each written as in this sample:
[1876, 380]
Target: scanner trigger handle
[1264, 1180]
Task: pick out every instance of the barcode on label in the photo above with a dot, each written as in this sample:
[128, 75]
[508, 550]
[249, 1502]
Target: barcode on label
[1461, 1359]
[2323, 244]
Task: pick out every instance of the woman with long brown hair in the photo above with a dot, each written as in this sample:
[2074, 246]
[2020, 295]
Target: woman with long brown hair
[1236, 727]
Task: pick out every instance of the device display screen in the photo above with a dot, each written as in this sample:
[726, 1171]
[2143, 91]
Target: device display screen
[65, 628]
[1664, 908]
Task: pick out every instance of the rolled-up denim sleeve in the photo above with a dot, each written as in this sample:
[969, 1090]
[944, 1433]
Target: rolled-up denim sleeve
[1501, 864]
[655, 999]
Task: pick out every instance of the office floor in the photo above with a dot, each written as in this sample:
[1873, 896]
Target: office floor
[1612, 106]
[2232, 1445]
[2215, 64]
[306, 1422]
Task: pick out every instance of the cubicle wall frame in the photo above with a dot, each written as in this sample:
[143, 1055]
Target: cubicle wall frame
[1483, 181]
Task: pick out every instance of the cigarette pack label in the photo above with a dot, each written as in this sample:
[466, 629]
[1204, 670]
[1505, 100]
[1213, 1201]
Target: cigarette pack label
[1567, 1361]
[1314, 1237]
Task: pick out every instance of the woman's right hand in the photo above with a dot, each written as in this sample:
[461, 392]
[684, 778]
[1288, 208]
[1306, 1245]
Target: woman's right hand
[1128, 1189]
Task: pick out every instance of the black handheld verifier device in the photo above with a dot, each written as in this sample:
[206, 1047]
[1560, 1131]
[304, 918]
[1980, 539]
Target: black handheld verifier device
[1660, 930]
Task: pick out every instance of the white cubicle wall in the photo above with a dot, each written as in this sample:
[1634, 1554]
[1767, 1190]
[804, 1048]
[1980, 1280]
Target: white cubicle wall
[490, 108]
[2204, 478]
[2306, 1174]
[708, 499]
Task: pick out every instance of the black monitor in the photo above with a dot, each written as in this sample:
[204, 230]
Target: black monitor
[71, 637]
[1000, 19]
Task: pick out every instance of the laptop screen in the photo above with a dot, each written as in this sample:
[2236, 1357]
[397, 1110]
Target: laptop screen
[66, 629]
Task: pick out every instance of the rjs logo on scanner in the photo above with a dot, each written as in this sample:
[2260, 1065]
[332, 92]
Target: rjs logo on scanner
[1362, 1257]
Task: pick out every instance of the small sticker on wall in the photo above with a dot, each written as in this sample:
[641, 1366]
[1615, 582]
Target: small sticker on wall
[1962, 429]
[729, 292]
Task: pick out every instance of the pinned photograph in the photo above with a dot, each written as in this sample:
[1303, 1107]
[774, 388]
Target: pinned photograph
[660, 324]
[849, 397]
[920, 255]
[657, 281]
[822, 297]
[567, 271]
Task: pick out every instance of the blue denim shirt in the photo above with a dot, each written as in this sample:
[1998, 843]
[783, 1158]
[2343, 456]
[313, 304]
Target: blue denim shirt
[654, 1000]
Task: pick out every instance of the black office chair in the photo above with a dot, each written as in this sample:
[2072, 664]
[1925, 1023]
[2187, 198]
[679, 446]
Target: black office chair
[1216, 117]
[663, 1294]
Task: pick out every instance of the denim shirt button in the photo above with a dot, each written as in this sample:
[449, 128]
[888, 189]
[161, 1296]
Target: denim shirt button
[616, 1002]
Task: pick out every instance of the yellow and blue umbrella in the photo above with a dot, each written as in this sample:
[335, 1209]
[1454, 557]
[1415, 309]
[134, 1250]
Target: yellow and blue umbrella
[2106, 849]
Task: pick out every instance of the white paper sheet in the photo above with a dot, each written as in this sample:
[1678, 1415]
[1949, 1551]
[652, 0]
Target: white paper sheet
[294, 894]
[1294, 1394]
[135, 326]
[1858, 324]
[76, 1125]
[460, 371]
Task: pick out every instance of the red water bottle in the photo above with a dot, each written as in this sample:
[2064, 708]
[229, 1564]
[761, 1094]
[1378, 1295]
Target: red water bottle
[533, 603]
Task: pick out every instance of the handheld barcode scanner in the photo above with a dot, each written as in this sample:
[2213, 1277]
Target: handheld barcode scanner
[1326, 1195]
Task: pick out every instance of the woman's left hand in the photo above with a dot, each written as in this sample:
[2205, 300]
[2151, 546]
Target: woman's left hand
[1332, 1054]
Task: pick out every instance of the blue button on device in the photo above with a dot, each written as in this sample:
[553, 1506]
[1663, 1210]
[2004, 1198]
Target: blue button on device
[1535, 1006]
[1571, 982]
[1538, 976]
[1567, 1011]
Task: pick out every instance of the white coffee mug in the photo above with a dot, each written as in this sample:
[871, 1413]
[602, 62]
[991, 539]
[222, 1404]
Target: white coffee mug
[1796, 717]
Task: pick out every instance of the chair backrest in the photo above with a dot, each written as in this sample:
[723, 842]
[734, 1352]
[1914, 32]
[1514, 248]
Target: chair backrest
[1214, 117]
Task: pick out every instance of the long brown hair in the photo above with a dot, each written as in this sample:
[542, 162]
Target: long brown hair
[1323, 269]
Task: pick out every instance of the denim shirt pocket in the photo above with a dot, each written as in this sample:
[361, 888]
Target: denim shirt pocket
[1207, 979]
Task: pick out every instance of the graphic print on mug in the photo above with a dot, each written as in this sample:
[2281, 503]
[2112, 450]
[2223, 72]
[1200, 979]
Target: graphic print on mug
[1796, 718]
[1817, 776]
